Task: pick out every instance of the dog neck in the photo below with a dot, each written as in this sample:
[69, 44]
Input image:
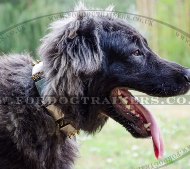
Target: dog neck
[56, 112]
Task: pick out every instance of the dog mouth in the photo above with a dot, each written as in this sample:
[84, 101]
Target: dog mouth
[136, 118]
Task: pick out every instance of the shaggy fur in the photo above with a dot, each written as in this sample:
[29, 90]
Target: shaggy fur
[83, 56]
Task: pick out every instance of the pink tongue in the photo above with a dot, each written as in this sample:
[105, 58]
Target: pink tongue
[155, 132]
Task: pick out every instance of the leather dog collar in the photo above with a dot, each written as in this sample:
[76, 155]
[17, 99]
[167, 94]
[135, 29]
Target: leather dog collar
[57, 113]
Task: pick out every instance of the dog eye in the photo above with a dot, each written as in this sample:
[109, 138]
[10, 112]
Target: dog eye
[136, 52]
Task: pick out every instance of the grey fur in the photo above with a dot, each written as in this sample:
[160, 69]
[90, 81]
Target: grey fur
[67, 64]
[29, 137]
[28, 134]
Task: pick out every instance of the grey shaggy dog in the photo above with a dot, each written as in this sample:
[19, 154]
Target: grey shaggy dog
[29, 137]
[83, 56]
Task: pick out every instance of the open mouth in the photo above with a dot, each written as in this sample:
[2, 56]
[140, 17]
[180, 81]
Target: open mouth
[136, 118]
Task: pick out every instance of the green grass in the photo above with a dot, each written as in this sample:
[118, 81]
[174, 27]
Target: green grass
[115, 148]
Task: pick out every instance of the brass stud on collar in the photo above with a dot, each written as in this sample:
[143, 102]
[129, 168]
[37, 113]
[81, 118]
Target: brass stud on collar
[37, 62]
[37, 76]
[73, 134]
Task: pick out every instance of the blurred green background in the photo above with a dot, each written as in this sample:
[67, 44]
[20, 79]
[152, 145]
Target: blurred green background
[113, 147]
[161, 38]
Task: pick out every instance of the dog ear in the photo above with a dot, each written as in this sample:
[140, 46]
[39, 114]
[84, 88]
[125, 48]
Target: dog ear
[81, 46]
[70, 50]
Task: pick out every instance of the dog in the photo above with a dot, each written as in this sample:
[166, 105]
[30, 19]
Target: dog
[91, 61]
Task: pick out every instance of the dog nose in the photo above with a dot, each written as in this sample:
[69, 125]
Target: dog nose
[187, 75]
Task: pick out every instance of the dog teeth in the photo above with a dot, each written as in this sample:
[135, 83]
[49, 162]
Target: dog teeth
[133, 111]
[147, 125]
[148, 129]
[137, 115]
[118, 92]
[123, 100]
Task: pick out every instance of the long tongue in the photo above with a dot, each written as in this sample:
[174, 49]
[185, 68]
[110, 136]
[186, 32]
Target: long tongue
[155, 131]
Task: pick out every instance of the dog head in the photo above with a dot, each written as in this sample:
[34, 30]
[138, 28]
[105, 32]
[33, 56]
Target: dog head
[101, 56]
